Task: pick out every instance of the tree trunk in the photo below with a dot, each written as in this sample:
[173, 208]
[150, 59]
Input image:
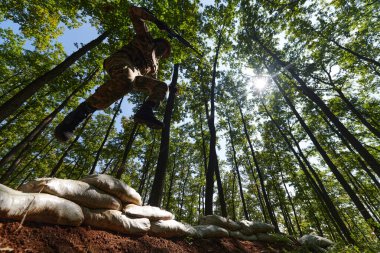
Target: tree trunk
[156, 195]
[37, 131]
[367, 156]
[128, 147]
[259, 196]
[347, 145]
[183, 192]
[213, 167]
[146, 166]
[284, 210]
[292, 205]
[351, 193]
[359, 56]
[59, 163]
[237, 170]
[258, 169]
[233, 196]
[172, 175]
[352, 108]
[30, 161]
[321, 192]
[117, 109]
[17, 100]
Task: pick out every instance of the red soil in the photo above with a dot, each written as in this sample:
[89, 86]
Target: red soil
[33, 237]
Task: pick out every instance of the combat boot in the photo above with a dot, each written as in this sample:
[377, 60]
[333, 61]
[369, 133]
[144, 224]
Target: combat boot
[145, 116]
[64, 131]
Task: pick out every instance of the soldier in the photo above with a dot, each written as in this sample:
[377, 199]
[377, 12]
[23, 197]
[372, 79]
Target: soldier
[133, 68]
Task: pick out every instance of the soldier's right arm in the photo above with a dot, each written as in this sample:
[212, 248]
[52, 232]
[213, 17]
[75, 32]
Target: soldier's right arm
[138, 15]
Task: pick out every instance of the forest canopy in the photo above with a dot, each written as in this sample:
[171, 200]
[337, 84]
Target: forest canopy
[277, 122]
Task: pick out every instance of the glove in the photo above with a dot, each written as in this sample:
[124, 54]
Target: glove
[161, 25]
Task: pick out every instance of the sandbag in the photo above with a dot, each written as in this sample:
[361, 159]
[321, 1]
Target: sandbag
[211, 231]
[79, 192]
[220, 222]
[251, 227]
[114, 187]
[171, 228]
[115, 220]
[239, 235]
[151, 212]
[315, 240]
[41, 207]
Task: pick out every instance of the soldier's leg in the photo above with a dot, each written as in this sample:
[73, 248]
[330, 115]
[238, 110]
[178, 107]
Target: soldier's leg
[156, 91]
[119, 85]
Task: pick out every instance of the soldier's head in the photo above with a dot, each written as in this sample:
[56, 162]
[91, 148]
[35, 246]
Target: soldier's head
[162, 48]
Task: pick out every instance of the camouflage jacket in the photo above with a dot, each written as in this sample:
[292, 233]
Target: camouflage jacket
[140, 49]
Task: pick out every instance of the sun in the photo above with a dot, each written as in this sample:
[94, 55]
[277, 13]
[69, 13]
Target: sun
[260, 83]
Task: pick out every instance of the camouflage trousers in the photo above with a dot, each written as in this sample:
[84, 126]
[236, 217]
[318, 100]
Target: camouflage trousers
[125, 78]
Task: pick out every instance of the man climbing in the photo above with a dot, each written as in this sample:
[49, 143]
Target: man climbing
[133, 68]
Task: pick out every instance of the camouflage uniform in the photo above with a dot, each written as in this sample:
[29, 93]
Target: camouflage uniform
[133, 68]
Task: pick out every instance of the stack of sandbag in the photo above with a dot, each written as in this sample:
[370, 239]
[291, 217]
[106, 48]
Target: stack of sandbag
[105, 202]
[162, 222]
[39, 207]
[217, 226]
[100, 198]
[79, 192]
[315, 243]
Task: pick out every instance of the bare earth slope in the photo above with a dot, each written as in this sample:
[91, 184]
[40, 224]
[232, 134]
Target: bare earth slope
[33, 237]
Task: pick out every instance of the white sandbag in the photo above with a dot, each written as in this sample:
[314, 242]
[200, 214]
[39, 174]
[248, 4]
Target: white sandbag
[211, 231]
[77, 191]
[220, 222]
[311, 240]
[171, 228]
[251, 227]
[239, 235]
[151, 212]
[40, 207]
[115, 220]
[114, 187]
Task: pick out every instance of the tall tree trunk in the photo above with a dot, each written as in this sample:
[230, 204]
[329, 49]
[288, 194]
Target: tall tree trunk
[128, 147]
[117, 109]
[213, 167]
[183, 192]
[292, 205]
[37, 131]
[367, 156]
[259, 172]
[284, 210]
[146, 166]
[339, 176]
[17, 100]
[237, 170]
[259, 196]
[347, 145]
[23, 169]
[172, 175]
[156, 195]
[319, 189]
[233, 196]
[352, 108]
[359, 56]
[59, 163]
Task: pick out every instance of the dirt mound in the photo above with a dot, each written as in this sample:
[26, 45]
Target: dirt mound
[33, 237]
